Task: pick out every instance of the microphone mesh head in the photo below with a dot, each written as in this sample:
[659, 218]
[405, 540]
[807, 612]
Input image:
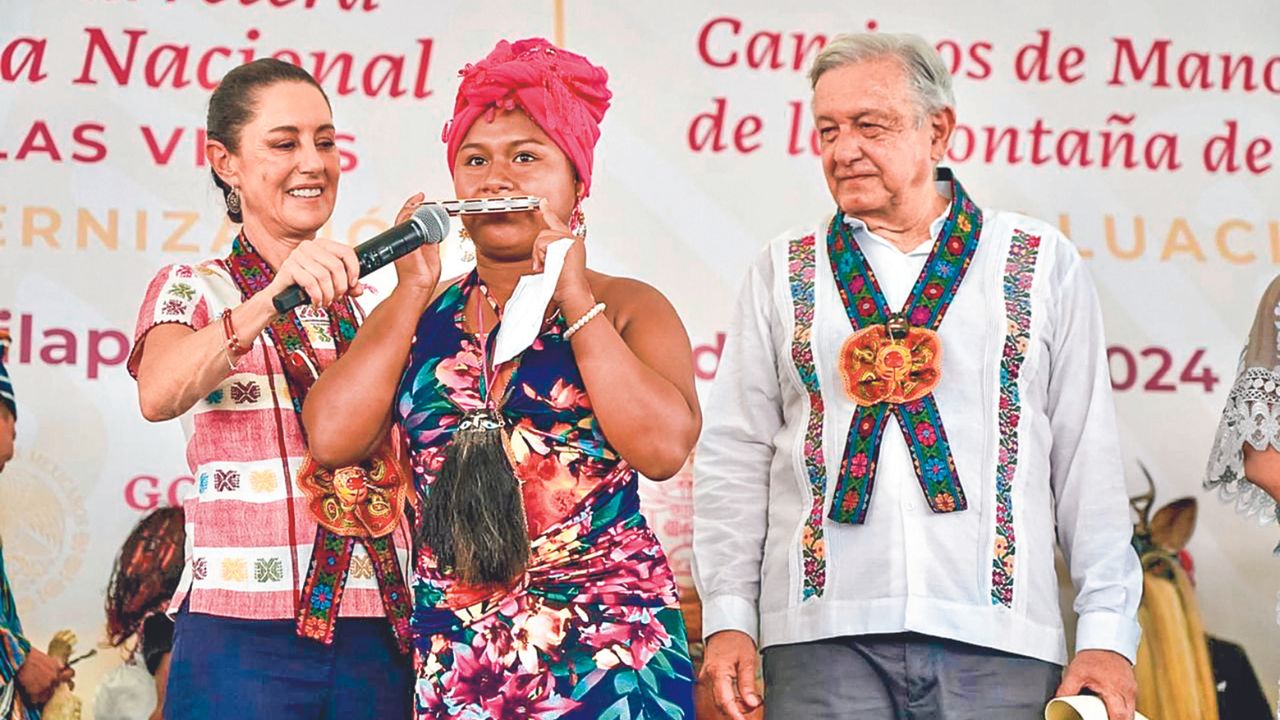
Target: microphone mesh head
[434, 221]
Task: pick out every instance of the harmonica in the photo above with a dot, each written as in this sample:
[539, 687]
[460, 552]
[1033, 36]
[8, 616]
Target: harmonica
[478, 206]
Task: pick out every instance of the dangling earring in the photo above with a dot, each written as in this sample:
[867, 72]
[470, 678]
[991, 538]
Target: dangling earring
[578, 222]
[233, 201]
[467, 245]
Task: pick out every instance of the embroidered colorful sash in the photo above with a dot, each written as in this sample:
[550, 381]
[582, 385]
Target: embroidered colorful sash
[893, 361]
[358, 503]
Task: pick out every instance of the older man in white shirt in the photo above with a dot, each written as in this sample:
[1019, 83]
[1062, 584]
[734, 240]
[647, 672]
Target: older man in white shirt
[913, 406]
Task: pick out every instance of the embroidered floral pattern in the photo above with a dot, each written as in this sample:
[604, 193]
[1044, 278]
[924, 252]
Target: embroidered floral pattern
[1018, 275]
[317, 328]
[331, 559]
[267, 570]
[226, 480]
[243, 393]
[361, 567]
[801, 267]
[262, 481]
[925, 308]
[235, 570]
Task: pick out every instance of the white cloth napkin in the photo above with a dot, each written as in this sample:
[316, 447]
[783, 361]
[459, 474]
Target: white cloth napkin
[522, 317]
[1079, 707]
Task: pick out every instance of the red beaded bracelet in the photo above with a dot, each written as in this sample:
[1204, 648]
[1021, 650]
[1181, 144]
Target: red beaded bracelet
[233, 341]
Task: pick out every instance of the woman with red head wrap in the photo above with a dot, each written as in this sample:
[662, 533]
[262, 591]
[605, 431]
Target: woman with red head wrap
[540, 592]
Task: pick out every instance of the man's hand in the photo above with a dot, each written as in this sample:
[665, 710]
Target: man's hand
[1109, 675]
[729, 664]
[40, 675]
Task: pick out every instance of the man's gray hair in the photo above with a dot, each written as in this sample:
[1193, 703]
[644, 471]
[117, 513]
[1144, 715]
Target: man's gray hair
[927, 74]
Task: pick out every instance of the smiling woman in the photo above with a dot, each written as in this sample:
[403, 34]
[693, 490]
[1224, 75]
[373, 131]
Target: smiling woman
[210, 347]
[280, 174]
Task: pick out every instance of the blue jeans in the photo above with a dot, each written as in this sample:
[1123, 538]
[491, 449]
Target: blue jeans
[231, 668]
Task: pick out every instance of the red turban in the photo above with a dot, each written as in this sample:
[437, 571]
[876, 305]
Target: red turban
[560, 91]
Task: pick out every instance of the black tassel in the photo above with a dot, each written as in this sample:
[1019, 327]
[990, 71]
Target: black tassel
[473, 515]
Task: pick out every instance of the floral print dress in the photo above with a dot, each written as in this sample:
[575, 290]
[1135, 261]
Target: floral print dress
[593, 629]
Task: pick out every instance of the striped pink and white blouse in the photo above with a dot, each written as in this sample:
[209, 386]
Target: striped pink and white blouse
[249, 532]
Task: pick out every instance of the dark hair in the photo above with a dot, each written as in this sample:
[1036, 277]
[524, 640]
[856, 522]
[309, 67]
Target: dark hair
[146, 572]
[234, 101]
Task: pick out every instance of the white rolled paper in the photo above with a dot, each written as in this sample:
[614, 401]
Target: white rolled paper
[1079, 707]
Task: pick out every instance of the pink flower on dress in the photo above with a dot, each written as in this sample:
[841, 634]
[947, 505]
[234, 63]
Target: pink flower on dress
[430, 703]
[529, 696]
[632, 642]
[495, 640]
[541, 627]
[461, 374]
[551, 490]
[475, 676]
[565, 396]
[428, 461]
[537, 468]
[534, 628]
